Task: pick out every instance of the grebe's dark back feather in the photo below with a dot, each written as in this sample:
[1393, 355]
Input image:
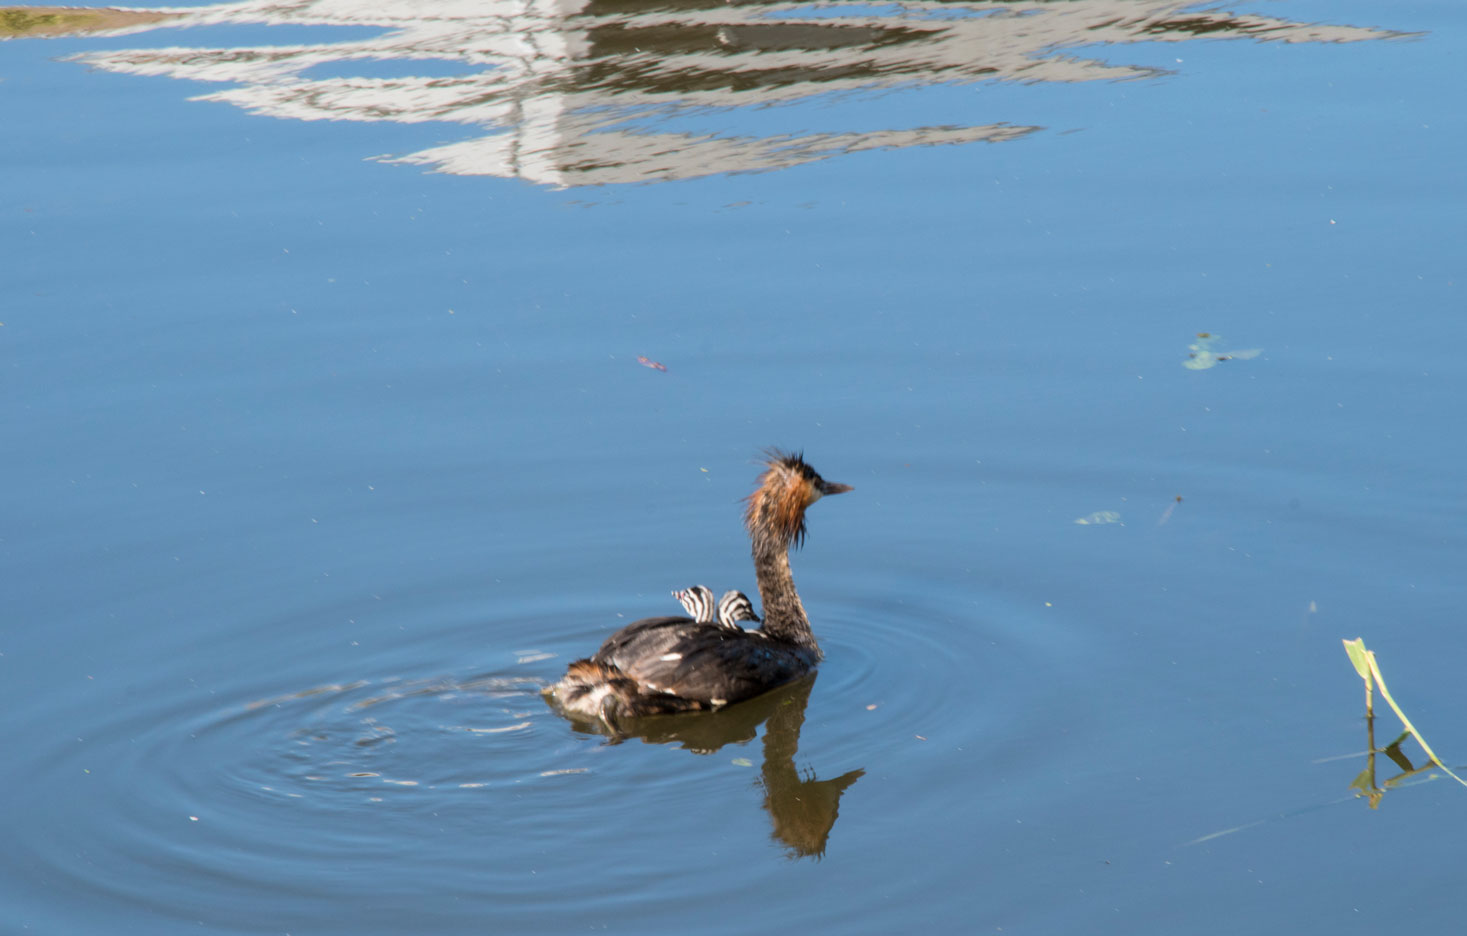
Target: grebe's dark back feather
[705, 663]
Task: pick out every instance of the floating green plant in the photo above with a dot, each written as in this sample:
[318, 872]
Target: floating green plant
[1369, 670]
[1207, 352]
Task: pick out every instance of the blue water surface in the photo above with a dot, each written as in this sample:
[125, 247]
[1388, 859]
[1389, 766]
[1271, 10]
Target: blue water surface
[326, 455]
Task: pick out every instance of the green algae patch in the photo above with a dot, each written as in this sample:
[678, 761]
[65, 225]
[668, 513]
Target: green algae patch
[42, 22]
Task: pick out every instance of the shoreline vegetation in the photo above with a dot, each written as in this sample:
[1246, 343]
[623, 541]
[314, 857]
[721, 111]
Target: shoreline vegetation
[24, 22]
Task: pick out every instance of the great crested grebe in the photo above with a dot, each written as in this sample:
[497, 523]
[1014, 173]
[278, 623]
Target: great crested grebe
[662, 665]
[732, 608]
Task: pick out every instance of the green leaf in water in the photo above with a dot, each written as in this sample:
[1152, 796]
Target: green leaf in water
[1371, 671]
[1207, 352]
[1356, 650]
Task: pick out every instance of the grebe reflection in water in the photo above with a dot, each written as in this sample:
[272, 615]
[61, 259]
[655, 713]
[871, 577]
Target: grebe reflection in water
[802, 806]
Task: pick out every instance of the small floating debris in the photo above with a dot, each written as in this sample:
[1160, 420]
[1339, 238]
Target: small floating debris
[648, 362]
[305, 694]
[520, 727]
[1099, 517]
[742, 762]
[532, 656]
[1167, 514]
[1207, 352]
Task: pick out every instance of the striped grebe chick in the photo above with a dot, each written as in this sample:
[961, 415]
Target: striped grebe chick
[732, 608]
[662, 665]
[697, 600]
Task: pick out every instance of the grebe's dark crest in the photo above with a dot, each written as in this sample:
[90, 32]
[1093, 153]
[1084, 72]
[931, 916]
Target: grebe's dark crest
[678, 664]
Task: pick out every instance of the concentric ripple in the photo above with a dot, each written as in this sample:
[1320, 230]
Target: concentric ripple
[269, 800]
[402, 779]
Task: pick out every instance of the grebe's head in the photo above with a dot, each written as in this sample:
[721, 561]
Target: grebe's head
[776, 509]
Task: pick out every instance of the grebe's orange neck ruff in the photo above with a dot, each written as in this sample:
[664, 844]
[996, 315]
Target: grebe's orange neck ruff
[775, 518]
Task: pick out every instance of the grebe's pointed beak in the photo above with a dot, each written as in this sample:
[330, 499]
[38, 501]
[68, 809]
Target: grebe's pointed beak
[827, 487]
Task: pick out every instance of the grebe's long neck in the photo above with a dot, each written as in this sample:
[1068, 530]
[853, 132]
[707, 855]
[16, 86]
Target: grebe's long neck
[784, 615]
[775, 519]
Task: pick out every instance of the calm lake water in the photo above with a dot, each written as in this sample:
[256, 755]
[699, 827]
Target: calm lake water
[330, 443]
